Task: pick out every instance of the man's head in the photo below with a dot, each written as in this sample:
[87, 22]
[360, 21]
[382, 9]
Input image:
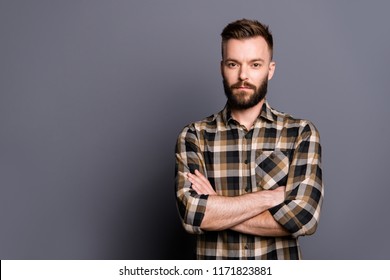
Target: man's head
[245, 29]
[247, 65]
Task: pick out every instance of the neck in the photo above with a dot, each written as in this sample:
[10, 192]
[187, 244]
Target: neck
[247, 117]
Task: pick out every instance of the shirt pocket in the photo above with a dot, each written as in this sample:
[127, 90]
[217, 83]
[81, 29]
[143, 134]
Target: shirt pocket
[271, 169]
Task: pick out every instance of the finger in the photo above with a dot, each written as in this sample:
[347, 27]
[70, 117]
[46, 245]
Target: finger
[197, 183]
[199, 189]
[194, 187]
[205, 189]
[202, 178]
[194, 179]
[200, 175]
[202, 183]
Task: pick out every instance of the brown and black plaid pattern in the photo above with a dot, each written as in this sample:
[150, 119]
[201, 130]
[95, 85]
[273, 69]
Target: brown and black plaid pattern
[278, 151]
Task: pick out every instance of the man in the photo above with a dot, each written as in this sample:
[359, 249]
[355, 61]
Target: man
[248, 179]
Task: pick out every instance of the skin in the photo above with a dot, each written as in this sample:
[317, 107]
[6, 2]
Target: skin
[247, 60]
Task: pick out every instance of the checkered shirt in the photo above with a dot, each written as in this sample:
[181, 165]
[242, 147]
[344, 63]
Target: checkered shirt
[279, 150]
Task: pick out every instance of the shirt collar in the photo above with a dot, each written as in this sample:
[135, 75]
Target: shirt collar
[266, 113]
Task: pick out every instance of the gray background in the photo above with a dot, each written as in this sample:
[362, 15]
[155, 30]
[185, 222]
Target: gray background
[94, 93]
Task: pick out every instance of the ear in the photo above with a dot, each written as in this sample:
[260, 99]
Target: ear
[271, 70]
[221, 67]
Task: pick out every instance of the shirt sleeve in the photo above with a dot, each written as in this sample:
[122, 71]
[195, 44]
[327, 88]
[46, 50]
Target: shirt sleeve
[300, 211]
[189, 157]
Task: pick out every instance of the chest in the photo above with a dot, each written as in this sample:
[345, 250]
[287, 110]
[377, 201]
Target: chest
[240, 161]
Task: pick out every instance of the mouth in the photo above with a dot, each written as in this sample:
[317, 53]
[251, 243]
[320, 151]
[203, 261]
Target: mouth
[243, 86]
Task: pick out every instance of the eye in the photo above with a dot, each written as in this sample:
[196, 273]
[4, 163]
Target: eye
[256, 65]
[232, 65]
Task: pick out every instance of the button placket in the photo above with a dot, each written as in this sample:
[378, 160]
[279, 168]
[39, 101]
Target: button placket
[247, 139]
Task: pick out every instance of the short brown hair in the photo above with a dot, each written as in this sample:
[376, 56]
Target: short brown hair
[245, 28]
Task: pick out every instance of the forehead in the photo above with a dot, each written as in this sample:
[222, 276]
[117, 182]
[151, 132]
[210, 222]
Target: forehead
[244, 49]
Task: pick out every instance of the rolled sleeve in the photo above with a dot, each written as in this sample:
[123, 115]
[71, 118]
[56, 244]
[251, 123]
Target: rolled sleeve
[300, 211]
[191, 206]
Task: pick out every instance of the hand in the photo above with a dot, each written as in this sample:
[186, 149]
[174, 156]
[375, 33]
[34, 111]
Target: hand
[200, 184]
[275, 196]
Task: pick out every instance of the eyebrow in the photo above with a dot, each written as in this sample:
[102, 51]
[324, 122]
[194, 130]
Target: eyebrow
[252, 60]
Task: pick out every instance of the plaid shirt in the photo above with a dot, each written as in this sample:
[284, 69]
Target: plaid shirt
[278, 151]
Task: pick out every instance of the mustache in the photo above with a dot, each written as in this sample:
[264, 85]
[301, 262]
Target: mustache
[243, 84]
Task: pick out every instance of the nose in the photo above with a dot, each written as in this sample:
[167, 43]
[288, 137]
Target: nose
[243, 75]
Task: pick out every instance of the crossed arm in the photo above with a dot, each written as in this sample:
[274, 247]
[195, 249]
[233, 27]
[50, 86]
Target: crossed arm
[246, 214]
[297, 206]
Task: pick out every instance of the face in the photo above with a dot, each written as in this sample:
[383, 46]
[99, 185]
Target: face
[246, 68]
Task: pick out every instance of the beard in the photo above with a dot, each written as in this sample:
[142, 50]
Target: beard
[243, 100]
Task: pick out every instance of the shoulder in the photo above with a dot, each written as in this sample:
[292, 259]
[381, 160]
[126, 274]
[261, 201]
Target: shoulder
[289, 122]
[210, 124]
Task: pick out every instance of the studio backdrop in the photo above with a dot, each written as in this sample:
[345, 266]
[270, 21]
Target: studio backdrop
[93, 94]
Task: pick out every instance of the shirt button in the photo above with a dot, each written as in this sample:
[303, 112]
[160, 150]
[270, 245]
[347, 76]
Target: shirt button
[247, 189]
[246, 246]
[246, 161]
